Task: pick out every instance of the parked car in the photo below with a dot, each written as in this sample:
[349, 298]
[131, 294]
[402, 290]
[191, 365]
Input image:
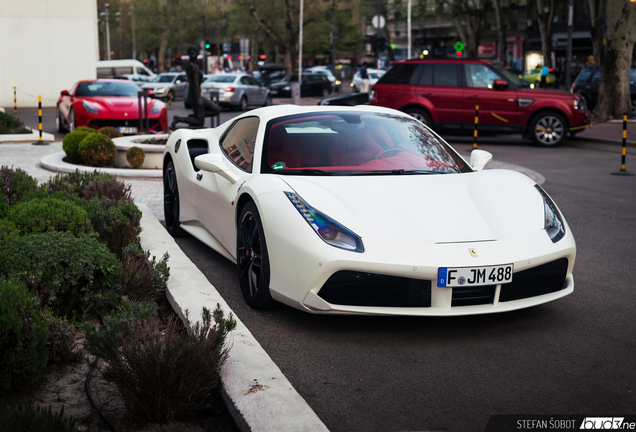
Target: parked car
[443, 93]
[99, 103]
[133, 70]
[236, 90]
[533, 77]
[311, 85]
[364, 211]
[323, 70]
[347, 100]
[374, 76]
[587, 83]
[167, 86]
[270, 73]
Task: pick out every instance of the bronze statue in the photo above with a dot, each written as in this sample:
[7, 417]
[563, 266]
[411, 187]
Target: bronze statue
[201, 108]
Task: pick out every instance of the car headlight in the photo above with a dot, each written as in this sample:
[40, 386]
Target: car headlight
[554, 225]
[330, 231]
[156, 109]
[89, 107]
[579, 104]
[161, 90]
[287, 88]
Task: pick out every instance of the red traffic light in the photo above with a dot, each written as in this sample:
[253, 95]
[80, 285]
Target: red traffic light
[459, 53]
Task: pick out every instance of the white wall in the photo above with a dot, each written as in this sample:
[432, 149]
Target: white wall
[45, 47]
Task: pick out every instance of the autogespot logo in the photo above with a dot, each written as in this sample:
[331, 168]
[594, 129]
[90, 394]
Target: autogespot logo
[606, 423]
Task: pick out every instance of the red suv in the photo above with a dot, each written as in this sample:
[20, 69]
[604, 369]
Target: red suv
[442, 94]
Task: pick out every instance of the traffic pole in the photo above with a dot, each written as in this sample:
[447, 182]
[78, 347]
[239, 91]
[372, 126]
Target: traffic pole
[40, 142]
[623, 171]
[476, 126]
[15, 101]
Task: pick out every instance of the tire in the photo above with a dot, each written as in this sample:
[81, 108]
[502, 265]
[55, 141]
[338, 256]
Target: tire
[420, 115]
[71, 120]
[58, 120]
[548, 129]
[242, 106]
[252, 259]
[170, 96]
[171, 200]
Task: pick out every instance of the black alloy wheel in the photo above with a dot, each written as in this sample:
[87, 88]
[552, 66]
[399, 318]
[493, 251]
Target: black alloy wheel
[58, 120]
[243, 104]
[420, 115]
[71, 120]
[171, 200]
[252, 259]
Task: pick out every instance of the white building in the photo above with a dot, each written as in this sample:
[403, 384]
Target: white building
[45, 47]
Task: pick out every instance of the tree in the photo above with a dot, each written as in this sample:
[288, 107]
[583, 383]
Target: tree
[501, 31]
[597, 15]
[545, 17]
[614, 96]
[468, 16]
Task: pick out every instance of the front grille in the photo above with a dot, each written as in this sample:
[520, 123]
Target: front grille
[536, 281]
[100, 123]
[351, 288]
[472, 296]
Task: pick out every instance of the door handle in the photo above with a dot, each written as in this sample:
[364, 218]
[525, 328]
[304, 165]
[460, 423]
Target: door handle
[473, 97]
[428, 95]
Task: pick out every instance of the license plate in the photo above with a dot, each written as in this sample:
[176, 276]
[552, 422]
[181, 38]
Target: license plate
[127, 129]
[474, 276]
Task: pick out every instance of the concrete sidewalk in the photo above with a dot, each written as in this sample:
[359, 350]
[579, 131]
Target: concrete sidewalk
[609, 132]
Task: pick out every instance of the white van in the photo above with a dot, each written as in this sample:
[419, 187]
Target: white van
[130, 69]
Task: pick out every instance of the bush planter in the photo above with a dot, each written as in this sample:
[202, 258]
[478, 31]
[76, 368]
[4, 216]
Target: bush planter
[154, 152]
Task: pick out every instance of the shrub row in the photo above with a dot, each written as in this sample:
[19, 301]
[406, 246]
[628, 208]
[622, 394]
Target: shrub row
[91, 147]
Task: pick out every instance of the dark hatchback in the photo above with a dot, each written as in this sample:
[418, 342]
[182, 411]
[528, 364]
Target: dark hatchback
[311, 85]
[443, 94]
[587, 82]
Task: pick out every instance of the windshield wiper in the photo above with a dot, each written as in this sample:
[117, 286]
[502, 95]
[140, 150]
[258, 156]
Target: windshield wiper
[308, 171]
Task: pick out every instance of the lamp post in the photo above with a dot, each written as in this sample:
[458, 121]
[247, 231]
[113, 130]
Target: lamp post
[118, 20]
[132, 15]
[106, 15]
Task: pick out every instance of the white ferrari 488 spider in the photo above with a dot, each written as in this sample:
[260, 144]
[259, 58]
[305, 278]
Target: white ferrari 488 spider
[364, 210]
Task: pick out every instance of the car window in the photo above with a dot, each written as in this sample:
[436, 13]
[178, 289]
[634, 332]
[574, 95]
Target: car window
[425, 73]
[445, 74]
[355, 143]
[221, 78]
[584, 76]
[245, 80]
[238, 142]
[632, 76]
[399, 74]
[107, 88]
[596, 77]
[254, 81]
[105, 72]
[479, 76]
[123, 71]
[142, 71]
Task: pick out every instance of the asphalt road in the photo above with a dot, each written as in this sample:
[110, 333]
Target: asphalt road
[572, 356]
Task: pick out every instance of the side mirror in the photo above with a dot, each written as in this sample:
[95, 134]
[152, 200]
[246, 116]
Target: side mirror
[216, 164]
[500, 84]
[479, 159]
[64, 93]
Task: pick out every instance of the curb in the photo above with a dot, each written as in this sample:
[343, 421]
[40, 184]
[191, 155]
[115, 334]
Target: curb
[258, 395]
[54, 162]
[34, 136]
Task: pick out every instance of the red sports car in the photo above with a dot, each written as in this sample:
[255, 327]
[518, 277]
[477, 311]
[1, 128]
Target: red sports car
[102, 102]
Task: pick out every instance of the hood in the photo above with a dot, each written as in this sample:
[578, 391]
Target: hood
[116, 104]
[448, 208]
[547, 93]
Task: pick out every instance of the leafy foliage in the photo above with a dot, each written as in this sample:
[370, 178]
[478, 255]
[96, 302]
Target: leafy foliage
[14, 183]
[50, 214]
[117, 226]
[162, 376]
[11, 125]
[110, 132]
[97, 150]
[142, 278]
[135, 156]
[68, 273]
[61, 342]
[25, 416]
[8, 232]
[72, 140]
[94, 183]
[23, 336]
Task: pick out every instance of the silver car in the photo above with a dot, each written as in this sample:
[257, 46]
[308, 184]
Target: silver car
[236, 90]
[167, 85]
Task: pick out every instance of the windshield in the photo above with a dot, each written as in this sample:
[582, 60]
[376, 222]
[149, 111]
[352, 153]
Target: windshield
[512, 77]
[107, 88]
[290, 78]
[221, 79]
[163, 79]
[355, 143]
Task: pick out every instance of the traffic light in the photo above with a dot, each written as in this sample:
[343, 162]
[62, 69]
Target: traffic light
[381, 44]
[207, 45]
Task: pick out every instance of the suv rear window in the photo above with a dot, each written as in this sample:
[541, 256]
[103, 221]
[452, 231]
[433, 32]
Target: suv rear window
[399, 74]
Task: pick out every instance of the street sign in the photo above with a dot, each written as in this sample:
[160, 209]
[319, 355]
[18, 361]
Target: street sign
[378, 21]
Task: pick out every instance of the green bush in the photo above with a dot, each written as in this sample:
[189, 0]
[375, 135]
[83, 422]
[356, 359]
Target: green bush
[14, 183]
[72, 140]
[26, 417]
[117, 226]
[142, 278]
[110, 132]
[117, 192]
[162, 375]
[68, 273]
[61, 342]
[97, 150]
[73, 183]
[8, 232]
[49, 214]
[23, 336]
[11, 125]
[135, 156]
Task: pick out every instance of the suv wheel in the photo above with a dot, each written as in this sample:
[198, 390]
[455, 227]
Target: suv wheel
[548, 129]
[420, 115]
